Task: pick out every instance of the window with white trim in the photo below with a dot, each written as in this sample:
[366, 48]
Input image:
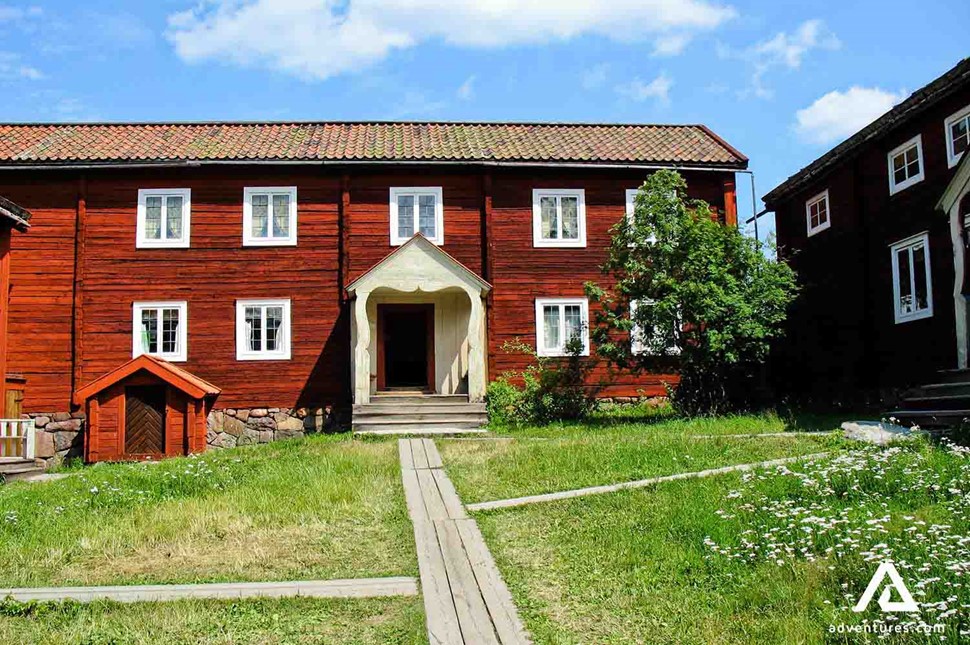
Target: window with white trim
[640, 343]
[160, 329]
[631, 211]
[417, 210]
[558, 321]
[912, 279]
[163, 218]
[262, 330]
[957, 135]
[906, 165]
[817, 213]
[558, 217]
[269, 216]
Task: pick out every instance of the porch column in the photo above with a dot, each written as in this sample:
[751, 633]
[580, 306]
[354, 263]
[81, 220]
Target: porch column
[959, 300]
[361, 351]
[476, 352]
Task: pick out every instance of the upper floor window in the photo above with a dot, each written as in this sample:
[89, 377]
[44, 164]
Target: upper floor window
[957, 135]
[912, 280]
[558, 321]
[417, 210]
[631, 211]
[559, 217]
[163, 218]
[159, 329]
[906, 165]
[269, 216]
[642, 343]
[262, 329]
[817, 213]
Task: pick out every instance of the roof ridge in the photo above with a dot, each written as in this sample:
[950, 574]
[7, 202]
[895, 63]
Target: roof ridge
[205, 122]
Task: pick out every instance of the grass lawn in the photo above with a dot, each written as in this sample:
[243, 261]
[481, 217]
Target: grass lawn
[386, 620]
[319, 508]
[613, 449]
[767, 557]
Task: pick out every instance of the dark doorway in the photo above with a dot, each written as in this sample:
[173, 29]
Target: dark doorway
[145, 420]
[405, 355]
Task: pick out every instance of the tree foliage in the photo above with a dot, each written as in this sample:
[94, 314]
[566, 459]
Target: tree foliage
[703, 293]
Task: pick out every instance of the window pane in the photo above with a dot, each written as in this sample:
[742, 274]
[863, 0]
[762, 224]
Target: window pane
[281, 215]
[960, 133]
[274, 328]
[173, 218]
[149, 331]
[254, 328]
[260, 216]
[905, 284]
[570, 218]
[170, 329]
[574, 321]
[426, 215]
[912, 162]
[550, 327]
[549, 217]
[405, 216]
[153, 218]
[919, 277]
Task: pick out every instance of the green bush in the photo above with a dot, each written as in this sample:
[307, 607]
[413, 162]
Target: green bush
[549, 389]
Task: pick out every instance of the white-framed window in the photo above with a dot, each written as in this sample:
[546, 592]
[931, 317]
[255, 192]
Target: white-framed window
[263, 329]
[558, 217]
[912, 279]
[559, 320]
[417, 210]
[957, 127]
[160, 329]
[631, 210]
[163, 218]
[817, 213]
[906, 165]
[639, 343]
[269, 216]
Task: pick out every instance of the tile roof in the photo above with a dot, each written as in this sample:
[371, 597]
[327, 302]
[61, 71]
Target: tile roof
[45, 144]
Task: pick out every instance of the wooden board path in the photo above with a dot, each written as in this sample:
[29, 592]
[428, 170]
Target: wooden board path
[465, 598]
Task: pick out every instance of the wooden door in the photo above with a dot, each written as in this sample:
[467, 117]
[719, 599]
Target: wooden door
[145, 420]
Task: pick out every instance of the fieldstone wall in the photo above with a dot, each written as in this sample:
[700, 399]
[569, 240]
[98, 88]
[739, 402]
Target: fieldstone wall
[230, 427]
[58, 435]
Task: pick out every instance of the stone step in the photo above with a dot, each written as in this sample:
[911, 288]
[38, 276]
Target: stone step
[459, 408]
[418, 431]
[434, 419]
[9, 464]
[416, 427]
[417, 398]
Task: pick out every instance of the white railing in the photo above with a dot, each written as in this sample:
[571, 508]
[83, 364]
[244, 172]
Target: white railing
[17, 438]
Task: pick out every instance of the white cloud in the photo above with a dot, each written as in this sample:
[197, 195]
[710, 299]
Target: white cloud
[783, 50]
[594, 77]
[837, 115]
[466, 91]
[637, 90]
[13, 67]
[671, 44]
[319, 38]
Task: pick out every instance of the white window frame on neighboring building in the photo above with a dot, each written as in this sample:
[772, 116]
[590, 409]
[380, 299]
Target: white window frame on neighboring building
[142, 241]
[916, 142]
[637, 346]
[538, 240]
[956, 117]
[818, 199]
[417, 192]
[137, 345]
[909, 244]
[272, 238]
[561, 304]
[243, 351]
[631, 206]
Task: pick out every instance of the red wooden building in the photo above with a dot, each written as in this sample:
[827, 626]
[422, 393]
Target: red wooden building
[877, 230]
[261, 257]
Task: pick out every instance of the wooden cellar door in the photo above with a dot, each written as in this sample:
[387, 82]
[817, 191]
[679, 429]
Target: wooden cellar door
[145, 420]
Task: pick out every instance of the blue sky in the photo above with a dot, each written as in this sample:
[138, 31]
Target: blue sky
[782, 81]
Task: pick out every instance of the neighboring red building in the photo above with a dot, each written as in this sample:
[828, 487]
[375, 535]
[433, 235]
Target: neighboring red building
[259, 256]
[875, 248]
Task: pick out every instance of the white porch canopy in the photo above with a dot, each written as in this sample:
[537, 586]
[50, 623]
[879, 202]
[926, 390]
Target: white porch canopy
[950, 202]
[421, 272]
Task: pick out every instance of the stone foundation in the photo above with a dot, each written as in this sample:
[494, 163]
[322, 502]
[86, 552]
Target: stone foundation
[58, 435]
[652, 401]
[228, 428]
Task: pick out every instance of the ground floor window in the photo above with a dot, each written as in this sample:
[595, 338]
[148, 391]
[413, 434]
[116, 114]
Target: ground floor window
[559, 320]
[644, 342]
[912, 279]
[159, 329]
[262, 329]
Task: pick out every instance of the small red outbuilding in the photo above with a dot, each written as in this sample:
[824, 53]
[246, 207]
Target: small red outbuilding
[146, 409]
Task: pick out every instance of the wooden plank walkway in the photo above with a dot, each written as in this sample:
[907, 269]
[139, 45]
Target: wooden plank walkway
[465, 598]
[351, 588]
[641, 483]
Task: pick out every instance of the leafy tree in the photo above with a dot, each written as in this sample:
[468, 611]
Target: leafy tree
[702, 292]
